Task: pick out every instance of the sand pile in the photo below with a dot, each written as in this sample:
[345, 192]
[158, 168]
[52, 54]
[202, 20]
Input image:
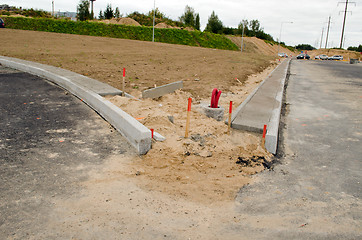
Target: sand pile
[163, 25]
[121, 21]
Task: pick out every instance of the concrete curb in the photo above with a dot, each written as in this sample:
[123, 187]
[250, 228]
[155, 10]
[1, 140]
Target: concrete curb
[271, 137]
[137, 134]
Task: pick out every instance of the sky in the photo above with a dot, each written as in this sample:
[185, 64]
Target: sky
[308, 17]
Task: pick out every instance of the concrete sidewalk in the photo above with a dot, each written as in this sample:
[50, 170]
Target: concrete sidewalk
[263, 107]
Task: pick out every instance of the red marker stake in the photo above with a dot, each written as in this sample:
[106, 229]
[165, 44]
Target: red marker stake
[188, 118]
[264, 133]
[152, 133]
[124, 77]
[230, 112]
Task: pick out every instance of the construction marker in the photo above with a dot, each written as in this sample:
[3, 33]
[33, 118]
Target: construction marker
[152, 133]
[230, 111]
[124, 77]
[264, 133]
[188, 118]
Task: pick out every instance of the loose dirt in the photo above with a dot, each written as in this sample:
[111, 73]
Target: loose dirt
[201, 168]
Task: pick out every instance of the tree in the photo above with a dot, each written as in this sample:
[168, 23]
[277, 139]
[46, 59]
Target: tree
[304, 47]
[255, 27]
[100, 16]
[108, 13]
[188, 18]
[197, 22]
[214, 25]
[83, 13]
[357, 49]
[244, 23]
[158, 14]
[117, 13]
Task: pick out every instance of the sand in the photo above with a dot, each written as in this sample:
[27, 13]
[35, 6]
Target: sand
[203, 167]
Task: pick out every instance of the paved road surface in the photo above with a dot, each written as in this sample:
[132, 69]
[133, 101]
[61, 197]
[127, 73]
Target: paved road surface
[49, 141]
[316, 192]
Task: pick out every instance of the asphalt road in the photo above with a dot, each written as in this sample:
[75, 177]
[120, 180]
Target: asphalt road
[49, 141]
[315, 192]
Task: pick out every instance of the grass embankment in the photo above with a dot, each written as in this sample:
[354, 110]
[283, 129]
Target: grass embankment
[173, 36]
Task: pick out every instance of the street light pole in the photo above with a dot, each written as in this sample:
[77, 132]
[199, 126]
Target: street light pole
[242, 38]
[154, 15]
[53, 8]
[280, 34]
[92, 14]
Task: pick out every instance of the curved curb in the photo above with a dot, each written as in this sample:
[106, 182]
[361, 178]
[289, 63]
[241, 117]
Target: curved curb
[137, 134]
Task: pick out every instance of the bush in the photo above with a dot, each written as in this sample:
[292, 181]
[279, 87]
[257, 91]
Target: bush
[175, 36]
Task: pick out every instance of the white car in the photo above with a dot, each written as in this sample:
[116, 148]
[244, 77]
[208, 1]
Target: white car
[337, 57]
[321, 57]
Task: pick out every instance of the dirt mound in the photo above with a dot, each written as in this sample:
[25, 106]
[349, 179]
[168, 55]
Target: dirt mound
[121, 21]
[163, 25]
[256, 45]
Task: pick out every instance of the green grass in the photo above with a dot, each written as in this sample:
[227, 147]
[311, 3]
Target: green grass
[173, 36]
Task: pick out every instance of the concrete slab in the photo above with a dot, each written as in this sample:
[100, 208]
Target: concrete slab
[263, 107]
[162, 90]
[137, 134]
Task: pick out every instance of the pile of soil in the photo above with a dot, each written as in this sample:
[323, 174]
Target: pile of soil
[163, 25]
[121, 21]
[256, 45]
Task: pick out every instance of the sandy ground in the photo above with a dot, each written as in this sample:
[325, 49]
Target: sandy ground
[201, 168]
[146, 63]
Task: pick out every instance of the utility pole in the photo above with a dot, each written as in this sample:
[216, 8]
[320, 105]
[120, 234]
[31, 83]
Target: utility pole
[344, 20]
[154, 15]
[320, 46]
[280, 34]
[92, 14]
[329, 22]
[242, 38]
[53, 8]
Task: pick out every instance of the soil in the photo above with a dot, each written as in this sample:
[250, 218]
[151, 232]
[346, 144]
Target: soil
[202, 168]
[121, 21]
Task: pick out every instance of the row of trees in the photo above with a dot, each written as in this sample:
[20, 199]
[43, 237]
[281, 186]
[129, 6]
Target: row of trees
[109, 13]
[357, 49]
[188, 19]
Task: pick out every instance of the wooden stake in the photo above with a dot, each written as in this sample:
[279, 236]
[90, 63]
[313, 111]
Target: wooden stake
[263, 140]
[230, 111]
[188, 118]
[123, 83]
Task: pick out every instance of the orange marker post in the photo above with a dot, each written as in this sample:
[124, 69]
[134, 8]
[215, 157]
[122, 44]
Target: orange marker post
[152, 131]
[188, 118]
[264, 133]
[124, 79]
[230, 112]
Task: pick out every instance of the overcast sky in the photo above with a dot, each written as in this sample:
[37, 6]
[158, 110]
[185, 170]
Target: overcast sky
[308, 16]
